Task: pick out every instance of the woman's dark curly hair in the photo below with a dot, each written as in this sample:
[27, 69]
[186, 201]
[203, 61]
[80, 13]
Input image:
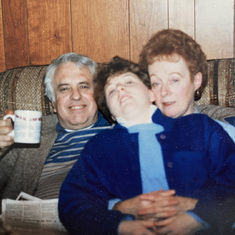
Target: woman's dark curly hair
[165, 43]
[116, 66]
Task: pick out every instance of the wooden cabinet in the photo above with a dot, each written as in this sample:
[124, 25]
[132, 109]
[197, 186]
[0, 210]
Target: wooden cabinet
[35, 32]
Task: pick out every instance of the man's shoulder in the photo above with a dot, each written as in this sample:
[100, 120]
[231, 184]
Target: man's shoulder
[49, 120]
[199, 123]
[48, 127]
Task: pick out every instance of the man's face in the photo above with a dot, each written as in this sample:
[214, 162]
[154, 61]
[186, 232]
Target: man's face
[127, 97]
[74, 101]
[173, 87]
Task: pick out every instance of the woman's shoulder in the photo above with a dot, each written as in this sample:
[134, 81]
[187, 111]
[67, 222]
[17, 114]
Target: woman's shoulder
[108, 135]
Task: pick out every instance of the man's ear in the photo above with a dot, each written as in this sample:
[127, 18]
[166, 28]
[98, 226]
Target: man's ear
[197, 80]
[54, 107]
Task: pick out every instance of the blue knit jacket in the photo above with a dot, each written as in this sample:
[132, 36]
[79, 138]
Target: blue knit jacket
[199, 160]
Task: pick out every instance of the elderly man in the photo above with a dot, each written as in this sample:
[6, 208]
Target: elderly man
[40, 170]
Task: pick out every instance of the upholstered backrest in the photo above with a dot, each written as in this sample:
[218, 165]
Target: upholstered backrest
[23, 88]
[221, 83]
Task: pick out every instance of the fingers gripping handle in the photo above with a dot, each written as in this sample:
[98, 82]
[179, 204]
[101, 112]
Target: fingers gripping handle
[13, 119]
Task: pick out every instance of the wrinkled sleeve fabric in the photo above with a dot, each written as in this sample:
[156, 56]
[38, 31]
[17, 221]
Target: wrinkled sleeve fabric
[199, 159]
[216, 203]
[85, 193]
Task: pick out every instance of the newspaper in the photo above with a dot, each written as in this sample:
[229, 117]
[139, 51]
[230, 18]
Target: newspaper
[31, 215]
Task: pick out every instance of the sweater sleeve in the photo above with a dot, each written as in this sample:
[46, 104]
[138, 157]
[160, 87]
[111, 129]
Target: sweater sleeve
[216, 204]
[7, 164]
[84, 196]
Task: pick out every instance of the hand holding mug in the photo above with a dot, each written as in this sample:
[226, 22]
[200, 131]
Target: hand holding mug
[27, 126]
[5, 128]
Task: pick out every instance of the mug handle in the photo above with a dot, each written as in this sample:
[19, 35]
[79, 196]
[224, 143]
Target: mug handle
[12, 116]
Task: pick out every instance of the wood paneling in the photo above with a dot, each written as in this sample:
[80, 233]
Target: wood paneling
[100, 28]
[2, 52]
[15, 33]
[181, 16]
[36, 32]
[49, 29]
[146, 18]
[215, 27]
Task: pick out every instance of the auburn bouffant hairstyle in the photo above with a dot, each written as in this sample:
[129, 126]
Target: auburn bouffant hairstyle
[168, 42]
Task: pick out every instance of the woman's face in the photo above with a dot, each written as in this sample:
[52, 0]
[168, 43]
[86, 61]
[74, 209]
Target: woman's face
[127, 97]
[173, 87]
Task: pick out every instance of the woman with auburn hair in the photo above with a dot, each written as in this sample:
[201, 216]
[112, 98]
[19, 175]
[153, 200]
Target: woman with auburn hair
[177, 68]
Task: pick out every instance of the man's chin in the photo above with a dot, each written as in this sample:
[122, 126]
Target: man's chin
[72, 123]
[77, 121]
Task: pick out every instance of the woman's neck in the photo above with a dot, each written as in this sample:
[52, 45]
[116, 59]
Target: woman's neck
[144, 117]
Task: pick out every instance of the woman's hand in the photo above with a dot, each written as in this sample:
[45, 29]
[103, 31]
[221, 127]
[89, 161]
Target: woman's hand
[158, 204]
[150, 206]
[182, 224]
[162, 204]
[136, 227]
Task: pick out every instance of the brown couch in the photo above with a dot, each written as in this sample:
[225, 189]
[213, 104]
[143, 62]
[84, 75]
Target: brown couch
[22, 88]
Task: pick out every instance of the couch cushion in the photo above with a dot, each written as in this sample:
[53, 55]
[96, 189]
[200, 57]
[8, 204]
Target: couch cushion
[221, 83]
[23, 88]
[218, 112]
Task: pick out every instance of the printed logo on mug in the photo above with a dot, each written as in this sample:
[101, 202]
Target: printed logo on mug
[27, 126]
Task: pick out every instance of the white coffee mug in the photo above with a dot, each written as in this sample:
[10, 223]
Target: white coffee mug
[27, 126]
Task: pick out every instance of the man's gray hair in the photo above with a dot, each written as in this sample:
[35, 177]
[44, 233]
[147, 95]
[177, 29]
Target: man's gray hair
[79, 60]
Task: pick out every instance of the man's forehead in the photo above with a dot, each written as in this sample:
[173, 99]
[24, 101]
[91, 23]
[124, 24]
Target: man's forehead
[75, 81]
[78, 75]
[71, 66]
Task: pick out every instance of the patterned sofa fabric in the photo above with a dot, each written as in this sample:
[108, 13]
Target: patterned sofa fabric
[23, 88]
[220, 89]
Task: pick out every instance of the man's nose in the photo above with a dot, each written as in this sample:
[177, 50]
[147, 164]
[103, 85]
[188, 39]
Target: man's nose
[75, 94]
